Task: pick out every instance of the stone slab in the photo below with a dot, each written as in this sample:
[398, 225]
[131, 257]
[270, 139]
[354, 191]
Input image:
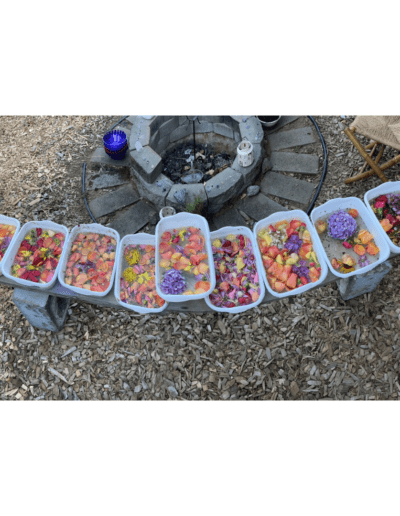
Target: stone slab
[292, 162]
[193, 192]
[251, 172]
[133, 219]
[292, 138]
[230, 218]
[147, 163]
[222, 187]
[287, 187]
[181, 132]
[259, 206]
[140, 131]
[203, 127]
[355, 286]
[107, 179]
[251, 129]
[156, 192]
[213, 119]
[100, 157]
[113, 201]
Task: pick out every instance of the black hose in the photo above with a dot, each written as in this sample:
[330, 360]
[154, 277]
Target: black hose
[309, 209]
[84, 192]
[84, 174]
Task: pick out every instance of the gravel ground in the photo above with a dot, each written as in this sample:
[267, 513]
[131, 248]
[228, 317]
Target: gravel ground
[312, 346]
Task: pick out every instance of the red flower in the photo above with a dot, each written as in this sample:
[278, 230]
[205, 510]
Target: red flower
[34, 248]
[347, 245]
[244, 300]
[230, 304]
[391, 219]
[38, 232]
[26, 245]
[39, 243]
[379, 204]
[382, 198]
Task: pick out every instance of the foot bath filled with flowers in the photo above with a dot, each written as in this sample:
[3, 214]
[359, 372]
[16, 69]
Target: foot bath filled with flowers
[290, 252]
[239, 285]
[35, 254]
[184, 269]
[9, 227]
[384, 203]
[88, 266]
[135, 287]
[350, 238]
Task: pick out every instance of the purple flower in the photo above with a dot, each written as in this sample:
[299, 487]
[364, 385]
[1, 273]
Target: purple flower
[293, 244]
[341, 225]
[394, 202]
[6, 243]
[173, 282]
[301, 271]
[110, 248]
[363, 261]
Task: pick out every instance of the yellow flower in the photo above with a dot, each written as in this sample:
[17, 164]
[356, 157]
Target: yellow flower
[182, 234]
[132, 257]
[217, 243]
[239, 264]
[25, 254]
[230, 237]
[129, 275]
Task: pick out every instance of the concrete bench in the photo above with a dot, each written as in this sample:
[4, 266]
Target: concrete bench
[48, 309]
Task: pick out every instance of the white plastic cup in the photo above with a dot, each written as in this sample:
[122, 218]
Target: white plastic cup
[167, 211]
[245, 153]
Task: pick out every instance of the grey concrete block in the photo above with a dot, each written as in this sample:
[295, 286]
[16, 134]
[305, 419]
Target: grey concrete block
[100, 157]
[224, 130]
[156, 192]
[259, 206]
[133, 219]
[162, 144]
[183, 120]
[193, 192]
[236, 136]
[113, 201]
[203, 127]
[355, 286]
[252, 130]
[292, 138]
[287, 187]
[154, 139]
[41, 309]
[181, 132]
[222, 187]
[147, 162]
[213, 119]
[230, 218]
[140, 131]
[292, 162]
[251, 172]
[167, 127]
[157, 122]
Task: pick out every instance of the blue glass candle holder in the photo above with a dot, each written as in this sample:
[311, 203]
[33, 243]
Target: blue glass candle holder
[115, 144]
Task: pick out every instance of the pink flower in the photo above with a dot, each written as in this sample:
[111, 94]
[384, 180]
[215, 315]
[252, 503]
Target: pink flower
[347, 245]
[379, 204]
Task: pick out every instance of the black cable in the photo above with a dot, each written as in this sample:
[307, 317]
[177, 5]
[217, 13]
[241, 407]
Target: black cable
[84, 193]
[309, 209]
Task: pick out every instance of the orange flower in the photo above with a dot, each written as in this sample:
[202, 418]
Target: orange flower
[353, 213]
[372, 249]
[365, 236]
[359, 249]
[348, 260]
[385, 223]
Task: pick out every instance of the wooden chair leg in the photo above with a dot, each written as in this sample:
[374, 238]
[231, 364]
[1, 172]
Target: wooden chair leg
[366, 156]
[370, 173]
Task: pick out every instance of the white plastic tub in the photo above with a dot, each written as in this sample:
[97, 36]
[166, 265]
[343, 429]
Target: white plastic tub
[317, 247]
[371, 223]
[8, 260]
[138, 239]
[182, 220]
[240, 230]
[383, 189]
[11, 222]
[87, 228]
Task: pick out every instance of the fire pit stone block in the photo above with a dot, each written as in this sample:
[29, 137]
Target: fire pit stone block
[252, 130]
[147, 163]
[223, 130]
[181, 132]
[157, 192]
[193, 192]
[249, 173]
[140, 131]
[167, 127]
[203, 127]
[221, 188]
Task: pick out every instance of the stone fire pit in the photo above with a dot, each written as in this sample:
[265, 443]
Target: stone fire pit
[163, 132]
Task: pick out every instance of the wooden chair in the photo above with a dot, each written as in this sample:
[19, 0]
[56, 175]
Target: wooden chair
[384, 131]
